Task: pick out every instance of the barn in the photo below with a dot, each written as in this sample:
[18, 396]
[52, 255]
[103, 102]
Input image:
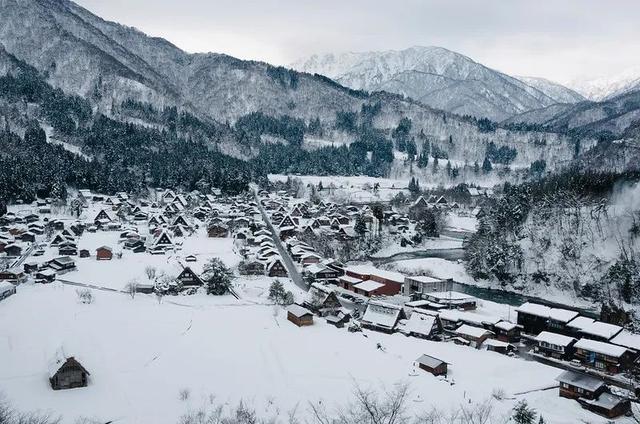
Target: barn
[67, 373]
[104, 253]
[432, 365]
[299, 316]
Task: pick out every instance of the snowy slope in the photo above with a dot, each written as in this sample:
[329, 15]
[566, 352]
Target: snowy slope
[437, 77]
[609, 86]
[558, 92]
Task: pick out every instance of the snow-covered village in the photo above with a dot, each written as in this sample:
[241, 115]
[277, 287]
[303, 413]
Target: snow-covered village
[290, 231]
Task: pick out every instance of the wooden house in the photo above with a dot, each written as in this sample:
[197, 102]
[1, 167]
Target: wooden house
[218, 230]
[381, 316]
[474, 335]
[423, 324]
[62, 263]
[188, 278]
[251, 267]
[67, 373]
[416, 286]
[6, 289]
[452, 299]
[574, 385]
[13, 250]
[418, 208]
[431, 365]
[507, 331]
[104, 253]
[555, 345]
[299, 315]
[275, 268]
[163, 241]
[535, 318]
[102, 217]
[608, 405]
[603, 356]
[14, 275]
[322, 300]
[322, 273]
[45, 276]
[391, 281]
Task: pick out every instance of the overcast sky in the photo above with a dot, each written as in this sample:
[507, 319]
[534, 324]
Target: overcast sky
[557, 39]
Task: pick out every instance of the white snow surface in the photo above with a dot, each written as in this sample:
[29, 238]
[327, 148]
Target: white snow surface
[141, 354]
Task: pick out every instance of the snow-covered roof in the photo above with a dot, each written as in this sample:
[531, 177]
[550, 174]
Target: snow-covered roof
[298, 311]
[368, 285]
[424, 279]
[382, 314]
[6, 286]
[627, 339]
[316, 268]
[506, 325]
[350, 280]
[583, 381]
[58, 360]
[471, 331]
[456, 315]
[556, 314]
[496, 343]
[450, 296]
[420, 303]
[420, 323]
[601, 329]
[601, 347]
[371, 270]
[430, 361]
[554, 339]
[580, 322]
[606, 401]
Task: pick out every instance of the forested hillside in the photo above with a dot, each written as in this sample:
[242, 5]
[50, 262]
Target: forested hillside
[576, 232]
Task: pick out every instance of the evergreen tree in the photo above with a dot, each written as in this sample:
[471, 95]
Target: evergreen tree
[360, 227]
[476, 168]
[217, 277]
[277, 293]
[435, 165]
[448, 168]
[523, 414]
[486, 165]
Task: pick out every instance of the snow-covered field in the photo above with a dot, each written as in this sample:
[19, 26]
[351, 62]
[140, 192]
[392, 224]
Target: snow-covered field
[353, 188]
[442, 242]
[141, 354]
[434, 267]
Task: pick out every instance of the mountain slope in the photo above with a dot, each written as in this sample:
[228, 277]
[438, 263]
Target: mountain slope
[109, 64]
[606, 87]
[559, 93]
[437, 77]
[613, 118]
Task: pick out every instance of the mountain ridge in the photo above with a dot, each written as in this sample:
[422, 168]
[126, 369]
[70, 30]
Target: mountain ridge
[418, 72]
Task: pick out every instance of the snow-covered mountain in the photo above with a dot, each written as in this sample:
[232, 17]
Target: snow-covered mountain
[606, 87]
[556, 91]
[439, 78]
[108, 64]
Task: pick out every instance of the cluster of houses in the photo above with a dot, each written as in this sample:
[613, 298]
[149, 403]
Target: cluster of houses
[603, 348]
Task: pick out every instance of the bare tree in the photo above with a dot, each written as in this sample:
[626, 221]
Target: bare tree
[151, 272]
[85, 296]
[132, 288]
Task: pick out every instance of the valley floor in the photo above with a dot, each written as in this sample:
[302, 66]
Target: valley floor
[141, 354]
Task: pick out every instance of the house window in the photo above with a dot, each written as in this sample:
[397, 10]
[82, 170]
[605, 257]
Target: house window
[579, 390]
[564, 385]
[599, 365]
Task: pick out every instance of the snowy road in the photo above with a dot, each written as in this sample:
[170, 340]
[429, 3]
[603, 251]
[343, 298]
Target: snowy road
[294, 274]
